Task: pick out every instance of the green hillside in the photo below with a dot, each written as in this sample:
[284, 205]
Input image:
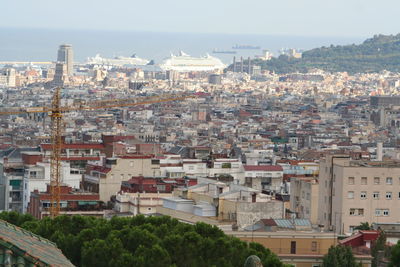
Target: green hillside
[382, 52]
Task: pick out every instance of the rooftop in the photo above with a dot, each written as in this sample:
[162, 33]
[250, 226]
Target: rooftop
[34, 248]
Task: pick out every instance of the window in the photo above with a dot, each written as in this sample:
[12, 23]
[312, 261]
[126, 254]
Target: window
[131, 163]
[381, 212]
[308, 196]
[155, 161]
[313, 246]
[385, 212]
[351, 180]
[376, 180]
[364, 180]
[377, 212]
[375, 195]
[293, 247]
[363, 195]
[388, 195]
[227, 165]
[350, 194]
[357, 212]
[389, 180]
[360, 212]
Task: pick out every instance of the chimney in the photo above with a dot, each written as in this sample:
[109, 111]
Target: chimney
[379, 151]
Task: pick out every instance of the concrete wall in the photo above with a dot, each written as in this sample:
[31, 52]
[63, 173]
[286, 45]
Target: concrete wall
[247, 213]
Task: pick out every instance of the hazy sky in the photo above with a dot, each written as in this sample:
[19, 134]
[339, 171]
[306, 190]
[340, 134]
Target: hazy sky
[283, 17]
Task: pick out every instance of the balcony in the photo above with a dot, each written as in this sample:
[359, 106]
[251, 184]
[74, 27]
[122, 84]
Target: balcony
[91, 179]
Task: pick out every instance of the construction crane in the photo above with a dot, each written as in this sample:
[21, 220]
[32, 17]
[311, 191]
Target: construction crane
[56, 113]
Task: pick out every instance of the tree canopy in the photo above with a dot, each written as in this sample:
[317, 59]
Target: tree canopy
[142, 241]
[395, 256]
[340, 256]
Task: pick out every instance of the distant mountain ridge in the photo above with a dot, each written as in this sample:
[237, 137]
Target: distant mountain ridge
[381, 52]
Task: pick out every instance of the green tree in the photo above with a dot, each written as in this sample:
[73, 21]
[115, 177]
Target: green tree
[142, 241]
[154, 256]
[363, 226]
[340, 256]
[380, 245]
[395, 256]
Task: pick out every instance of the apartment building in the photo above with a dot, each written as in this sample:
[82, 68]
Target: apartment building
[264, 177]
[232, 167]
[139, 203]
[355, 191]
[304, 198]
[106, 180]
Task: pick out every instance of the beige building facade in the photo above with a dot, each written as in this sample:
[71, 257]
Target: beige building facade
[304, 194]
[352, 192]
[300, 249]
[107, 180]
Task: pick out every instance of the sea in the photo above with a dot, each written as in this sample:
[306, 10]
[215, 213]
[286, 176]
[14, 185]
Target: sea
[17, 44]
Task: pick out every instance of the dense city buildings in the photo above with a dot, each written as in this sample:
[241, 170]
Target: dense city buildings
[292, 161]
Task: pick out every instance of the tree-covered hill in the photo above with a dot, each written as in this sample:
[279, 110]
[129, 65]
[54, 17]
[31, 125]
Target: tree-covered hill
[382, 52]
[142, 241]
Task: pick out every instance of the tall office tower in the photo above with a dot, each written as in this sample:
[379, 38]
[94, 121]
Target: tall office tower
[65, 55]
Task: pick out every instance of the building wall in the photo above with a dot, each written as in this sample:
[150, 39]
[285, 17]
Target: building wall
[304, 198]
[247, 213]
[325, 189]
[123, 171]
[310, 247]
[139, 203]
[344, 202]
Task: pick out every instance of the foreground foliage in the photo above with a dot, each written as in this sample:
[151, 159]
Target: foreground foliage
[142, 241]
[340, 256]
[395, 255]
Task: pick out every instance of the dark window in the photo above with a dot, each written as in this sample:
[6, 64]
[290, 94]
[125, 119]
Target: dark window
[226, 165]
[155, 161]
[293, 247]
[314, 246]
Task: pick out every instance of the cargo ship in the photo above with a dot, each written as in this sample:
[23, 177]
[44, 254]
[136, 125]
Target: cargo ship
[245, 47]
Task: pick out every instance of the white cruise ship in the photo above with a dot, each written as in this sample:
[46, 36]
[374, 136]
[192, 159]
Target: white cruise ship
[116, 61]
[185, 63]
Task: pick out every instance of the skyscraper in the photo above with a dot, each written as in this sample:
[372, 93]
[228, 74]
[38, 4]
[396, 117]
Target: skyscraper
[65, 55]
